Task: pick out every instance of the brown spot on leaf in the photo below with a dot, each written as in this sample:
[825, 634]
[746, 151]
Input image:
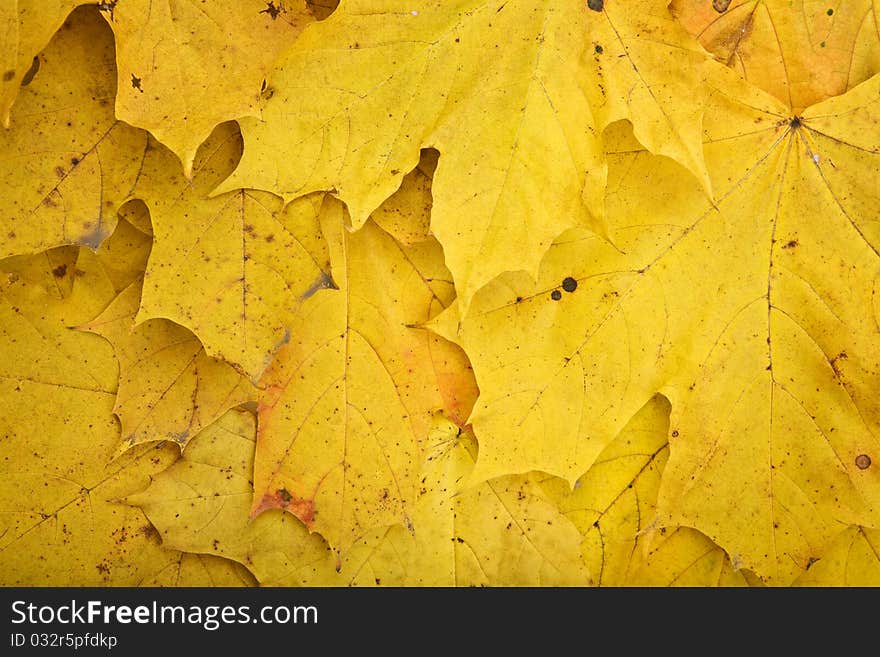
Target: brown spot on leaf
[31, 72]
[596, 5]
[795, 122]
[790, 244]
[59, 271]
[720, 5]
[8, 75]
[675, 433]
[556, 295]
[569, 284]
[136, 83]
[59, 171]
[272, 10]
[863, 461]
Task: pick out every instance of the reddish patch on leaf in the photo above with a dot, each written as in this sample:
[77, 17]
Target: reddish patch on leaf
[302, 508]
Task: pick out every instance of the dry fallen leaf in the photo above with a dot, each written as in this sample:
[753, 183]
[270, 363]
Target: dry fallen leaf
[201, 505]
[61, 520]
[851, 560]
[185, 67]
[26, 26]
[800, 51]
[755, 317]
[169, 388]
[233, 269]
[666, 279]
[67, 164]
[348, 401]
[504, 532]
[512, 94]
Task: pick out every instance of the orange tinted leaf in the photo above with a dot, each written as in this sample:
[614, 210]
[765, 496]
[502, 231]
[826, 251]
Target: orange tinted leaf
[349, 400]
[801, 52]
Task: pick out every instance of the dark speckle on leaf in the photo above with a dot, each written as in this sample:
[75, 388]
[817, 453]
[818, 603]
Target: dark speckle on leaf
[863, 461]
[31, 72]
[596, 5]
[556, 295]
[569, 284]
[272, 10]
[720, 5]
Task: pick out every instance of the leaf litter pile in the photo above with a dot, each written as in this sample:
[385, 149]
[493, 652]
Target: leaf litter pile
[440, 293]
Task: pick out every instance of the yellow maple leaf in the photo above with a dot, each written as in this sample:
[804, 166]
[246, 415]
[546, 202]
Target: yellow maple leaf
[754, 316]
[136, 213]
[233, 269]
[190, 570]
[512, 94]
[406, 214]
[348, 401]
[682, 556]
[503, 532]
[801, 52]
[851, 560]
[614, 505]
[169, 388]
[26, 26]
[121, 258]
[67, 164]
[61, 523]
[185, 67]
[201, 505]
[615, 501]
